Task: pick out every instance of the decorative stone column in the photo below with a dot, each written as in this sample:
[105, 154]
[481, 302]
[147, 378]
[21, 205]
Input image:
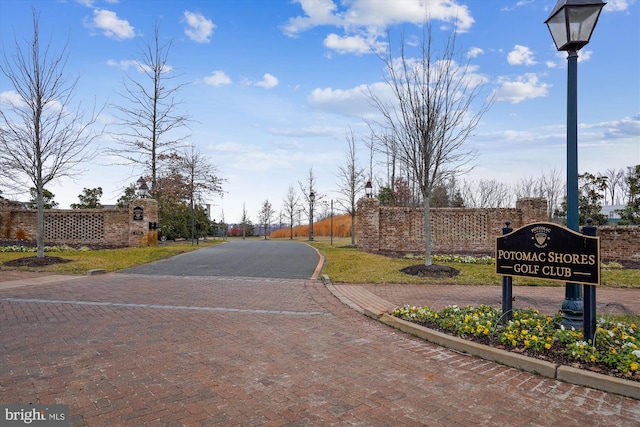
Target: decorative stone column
[368, 225]
[534, 209]
[143, 220]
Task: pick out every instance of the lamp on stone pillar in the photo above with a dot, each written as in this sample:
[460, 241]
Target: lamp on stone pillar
[143, 190]
[571, 24]
[368, 189]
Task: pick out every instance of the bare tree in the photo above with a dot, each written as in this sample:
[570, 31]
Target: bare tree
[41, 137]
[201, 176]
[549, 186]
[527, 187]
[486, 193]
[307, 188]
[351, 183]
[615, 179]
[148, 117]
[430, 116]
[290, 206]
[553, 188]
[244, 221]
[266, 212]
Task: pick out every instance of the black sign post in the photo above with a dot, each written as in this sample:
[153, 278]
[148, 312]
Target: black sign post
[589, 292]
[507, 286]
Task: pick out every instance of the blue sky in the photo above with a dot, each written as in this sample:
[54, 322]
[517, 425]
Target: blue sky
[274, 85]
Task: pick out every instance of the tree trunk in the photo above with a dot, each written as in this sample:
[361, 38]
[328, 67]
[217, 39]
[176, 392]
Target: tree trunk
[353, 228]
[40, 232]
[427, 230]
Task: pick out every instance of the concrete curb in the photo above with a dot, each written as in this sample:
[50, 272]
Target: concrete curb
[563, 373]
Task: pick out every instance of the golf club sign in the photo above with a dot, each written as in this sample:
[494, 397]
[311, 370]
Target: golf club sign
[548, 251]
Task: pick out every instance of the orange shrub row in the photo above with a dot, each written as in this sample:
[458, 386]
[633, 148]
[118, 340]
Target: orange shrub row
[341, 228]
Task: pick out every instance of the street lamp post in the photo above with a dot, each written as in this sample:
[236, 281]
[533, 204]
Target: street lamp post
[571, 24]
[312, 198]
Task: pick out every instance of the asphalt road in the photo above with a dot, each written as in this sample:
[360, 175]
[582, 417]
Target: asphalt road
[241, 258]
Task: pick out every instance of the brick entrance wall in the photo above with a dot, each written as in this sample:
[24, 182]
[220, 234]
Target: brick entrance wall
[108, 227]
[467, 231]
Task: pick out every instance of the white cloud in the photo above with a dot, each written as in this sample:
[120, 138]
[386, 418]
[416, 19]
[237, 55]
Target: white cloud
[217, 78]
[268, 81]
[368, 19]
[352, 102]
[255, 158]
[521, 55]
[111, 26]
[90, 3]
[199, 28]
[474, 52]
[584, 55]
[617, 5]
[310, 131]
[125, 64]
[524, 87]
[561, 61]
[318, 12]
[628, 127]
[377, 14]
[11, 98]
[353, 44]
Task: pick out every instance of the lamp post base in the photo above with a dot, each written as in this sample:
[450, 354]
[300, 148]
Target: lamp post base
[572, 313]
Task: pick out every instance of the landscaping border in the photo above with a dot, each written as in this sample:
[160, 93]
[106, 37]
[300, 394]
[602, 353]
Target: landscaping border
[556, 371]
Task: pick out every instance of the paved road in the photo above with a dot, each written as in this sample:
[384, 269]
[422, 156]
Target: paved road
[244, 258]
[167, 350]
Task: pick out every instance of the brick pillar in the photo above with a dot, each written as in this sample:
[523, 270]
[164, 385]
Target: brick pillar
[141, 213]
[533, 209]
[368, 225]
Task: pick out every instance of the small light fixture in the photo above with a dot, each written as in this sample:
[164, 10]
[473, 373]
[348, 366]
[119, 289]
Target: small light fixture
[312, 197]
[143, 190]
[368, 189]
[571, 23]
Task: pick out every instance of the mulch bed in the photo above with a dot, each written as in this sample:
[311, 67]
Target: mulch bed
[434, 270]
[34, 261]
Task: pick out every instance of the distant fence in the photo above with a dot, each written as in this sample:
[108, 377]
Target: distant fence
[98, 227]
[468, 231]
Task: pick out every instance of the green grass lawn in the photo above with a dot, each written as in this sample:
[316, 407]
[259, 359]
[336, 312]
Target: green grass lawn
[348, 265]
[107, 259]
[342, 263]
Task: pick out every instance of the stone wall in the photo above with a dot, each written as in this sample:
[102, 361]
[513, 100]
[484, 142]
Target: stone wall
[620, 242]
[467, 231]
[98, 227]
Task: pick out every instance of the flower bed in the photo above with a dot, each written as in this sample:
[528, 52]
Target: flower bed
[616, 350]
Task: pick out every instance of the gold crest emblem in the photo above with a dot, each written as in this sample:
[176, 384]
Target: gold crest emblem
[540, 236]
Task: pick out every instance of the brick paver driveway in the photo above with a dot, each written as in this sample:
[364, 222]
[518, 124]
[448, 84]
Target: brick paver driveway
[133, 349]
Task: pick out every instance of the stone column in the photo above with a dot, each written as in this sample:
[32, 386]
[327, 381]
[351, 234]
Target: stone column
[534, 209]
[368, 225]
[142, 212]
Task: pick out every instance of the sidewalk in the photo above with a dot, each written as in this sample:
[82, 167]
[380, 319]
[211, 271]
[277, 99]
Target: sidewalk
[547, 300]
[378, 301]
